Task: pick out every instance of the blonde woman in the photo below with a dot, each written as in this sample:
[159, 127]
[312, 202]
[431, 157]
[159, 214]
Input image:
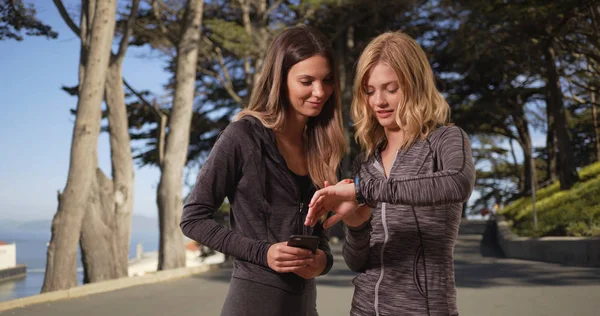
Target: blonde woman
[416, 173]
[267, 164]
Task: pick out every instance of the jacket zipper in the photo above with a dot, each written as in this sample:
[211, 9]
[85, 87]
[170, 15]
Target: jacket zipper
[385, 238]
[301, 229]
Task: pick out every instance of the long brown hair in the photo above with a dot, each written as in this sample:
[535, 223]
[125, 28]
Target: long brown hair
[422, 107]
[324, 138]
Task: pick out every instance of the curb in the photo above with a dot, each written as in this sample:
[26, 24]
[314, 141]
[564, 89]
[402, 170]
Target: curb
[107, 286]
[573, 251]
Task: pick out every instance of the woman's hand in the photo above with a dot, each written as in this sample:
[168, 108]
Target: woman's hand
[283, 258]
[327, 199]
[358, 217]
[315, 268]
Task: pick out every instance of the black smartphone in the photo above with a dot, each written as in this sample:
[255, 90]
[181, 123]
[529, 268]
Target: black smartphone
[306, 242]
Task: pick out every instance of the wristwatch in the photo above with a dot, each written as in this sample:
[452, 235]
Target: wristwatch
[360, 199]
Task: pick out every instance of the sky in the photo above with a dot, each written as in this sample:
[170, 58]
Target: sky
[36, 125]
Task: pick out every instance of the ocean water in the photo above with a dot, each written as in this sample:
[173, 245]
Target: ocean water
[31, 250]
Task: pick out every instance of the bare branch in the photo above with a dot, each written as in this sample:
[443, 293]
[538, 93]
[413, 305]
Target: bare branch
[161, 131]
[157, 112]
[230, 90]
[156, 11]
[167, 7]
[586, 87]
[65, 15]
[229, 83]
[270, 10]
[573, 96]
[127, 31]
[221, 61]
[228, 87]
[576, 99]
[137, 94]
[208, 72]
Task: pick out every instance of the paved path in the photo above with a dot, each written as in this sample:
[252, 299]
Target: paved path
[487, 285]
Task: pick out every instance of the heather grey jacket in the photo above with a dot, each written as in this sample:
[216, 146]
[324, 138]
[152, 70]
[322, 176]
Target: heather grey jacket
[246, 167]
[405, 252]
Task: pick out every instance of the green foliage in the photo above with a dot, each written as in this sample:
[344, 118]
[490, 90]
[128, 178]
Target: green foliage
[574, 212]
[225, 208]
[15, 17]
[222, 214]
[487, 56]
[231, 36]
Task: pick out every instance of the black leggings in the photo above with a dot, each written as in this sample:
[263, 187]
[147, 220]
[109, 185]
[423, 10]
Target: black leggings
[247, 298]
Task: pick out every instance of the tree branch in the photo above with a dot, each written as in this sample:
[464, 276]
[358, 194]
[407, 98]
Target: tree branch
[161, 131]
[145, 102]
[586, 87]
[156, 11]
[127, 31]
[65, 15]
[573, 96]
[227, 82]
[228, 85]
[168, 8]
[270, 10]
[208, 72]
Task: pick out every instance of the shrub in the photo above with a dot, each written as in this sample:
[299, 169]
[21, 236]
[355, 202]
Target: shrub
[574, 212]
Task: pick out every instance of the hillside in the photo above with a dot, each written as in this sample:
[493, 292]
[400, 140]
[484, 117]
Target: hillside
[574, 212]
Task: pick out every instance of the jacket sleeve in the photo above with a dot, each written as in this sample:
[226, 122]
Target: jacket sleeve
[324, 245]
[357, 239]
[218, 178]
[356, 247]
[453, 183]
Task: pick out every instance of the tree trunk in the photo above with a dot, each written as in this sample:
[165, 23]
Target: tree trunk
[552, 169]
[122, 166]
[107, 223]
[169, 195]
[97, 242]
[245, 5]
[61, 264]
[567, 172]
[263, 39]
[525, 143]
[595, 120]
[516, 168]
[344, 47]
[107, 227]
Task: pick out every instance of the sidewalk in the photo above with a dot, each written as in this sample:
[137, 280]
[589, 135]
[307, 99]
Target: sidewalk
[487, 285]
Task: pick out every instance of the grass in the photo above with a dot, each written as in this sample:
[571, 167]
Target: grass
[573, 212]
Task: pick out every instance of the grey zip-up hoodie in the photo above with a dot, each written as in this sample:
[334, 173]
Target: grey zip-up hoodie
[405, 252]
[246, 167]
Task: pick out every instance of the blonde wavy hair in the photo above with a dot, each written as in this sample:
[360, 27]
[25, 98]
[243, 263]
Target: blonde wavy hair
[324, 137]
[422, 107]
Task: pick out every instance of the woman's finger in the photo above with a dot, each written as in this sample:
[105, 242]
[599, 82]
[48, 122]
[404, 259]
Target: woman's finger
[332, 220]
[313, 214]
[294, 263]
[346, 181]
[295, 251]
[282, 256]
[317, 213]
[323, 192]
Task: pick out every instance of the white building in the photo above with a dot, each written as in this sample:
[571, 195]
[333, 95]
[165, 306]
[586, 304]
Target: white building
[8, 255]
